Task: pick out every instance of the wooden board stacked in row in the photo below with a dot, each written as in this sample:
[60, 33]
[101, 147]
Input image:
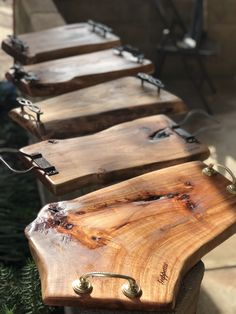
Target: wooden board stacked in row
[67, 74]
[112, 155]
[150, 230]
[96, 108]
[60, 42]
[153, 228]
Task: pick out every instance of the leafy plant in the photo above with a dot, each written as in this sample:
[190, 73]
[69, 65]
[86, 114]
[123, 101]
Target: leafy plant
[31, 291]
[20, 291]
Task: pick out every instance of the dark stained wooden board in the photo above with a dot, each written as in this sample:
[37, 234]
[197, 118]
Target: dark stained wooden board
[154, 228]
[112, 155]
[59, 42]
[72, 73]
[96, 108]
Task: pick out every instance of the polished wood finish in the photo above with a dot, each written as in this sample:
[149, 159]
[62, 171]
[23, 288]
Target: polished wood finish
[96, 108]
[115, 154]
[68, 74]
[154, 228]
[186, 302]
[59, 42]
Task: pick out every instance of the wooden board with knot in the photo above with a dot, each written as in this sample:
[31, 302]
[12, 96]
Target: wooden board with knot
[115, 154]
[58, 42]
[96, 108]
[153, 228]
[68, 74]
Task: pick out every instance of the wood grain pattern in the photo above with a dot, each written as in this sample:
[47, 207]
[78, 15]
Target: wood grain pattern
[96, 108]
[186, 302]
[59, 42]
[115, 154]
[154, 227]
[68, 74]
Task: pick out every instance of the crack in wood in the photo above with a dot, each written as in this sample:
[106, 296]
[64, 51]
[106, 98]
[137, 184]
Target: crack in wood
[93, 230]
[161, 134]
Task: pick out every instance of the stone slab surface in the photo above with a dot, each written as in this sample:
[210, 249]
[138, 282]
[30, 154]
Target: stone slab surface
[218, 292]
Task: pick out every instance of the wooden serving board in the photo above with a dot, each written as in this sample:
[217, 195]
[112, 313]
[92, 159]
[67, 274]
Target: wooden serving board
[186, 301]
[58, 42]
[154, 228]
[115, 154]
[96, 108]
[72, 73]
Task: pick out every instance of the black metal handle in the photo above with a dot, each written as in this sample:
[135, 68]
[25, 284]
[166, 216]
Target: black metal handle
[37, 158]
[19, 73]
[13, 151]
[30, 106]
[151, 80]
[135, 52]
[18, 43]
[100, 28]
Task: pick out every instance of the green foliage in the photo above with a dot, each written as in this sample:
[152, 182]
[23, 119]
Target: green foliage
[19, 203]
[20, 291]
[7, 288]
[31, 291]
[19, 200]
[5, 310]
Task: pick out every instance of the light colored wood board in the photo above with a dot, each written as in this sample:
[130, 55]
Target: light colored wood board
[186, 303]
[67, 74]
[154, 228]
[59, 42]
[96, 108]
[112, 155]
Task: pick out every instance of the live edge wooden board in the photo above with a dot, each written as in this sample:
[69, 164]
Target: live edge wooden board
[59, 42]
[96, 108]
[68, 74]
[115, 154]
[154, 228]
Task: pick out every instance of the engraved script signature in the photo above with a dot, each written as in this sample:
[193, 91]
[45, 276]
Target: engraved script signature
[163, 278]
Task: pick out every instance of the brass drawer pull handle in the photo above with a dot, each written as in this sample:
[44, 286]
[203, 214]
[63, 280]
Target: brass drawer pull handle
[210, 171]
[84, 286]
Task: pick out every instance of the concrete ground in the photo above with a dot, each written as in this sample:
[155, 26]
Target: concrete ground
[218, 292]
[218, 289]
[219, 284]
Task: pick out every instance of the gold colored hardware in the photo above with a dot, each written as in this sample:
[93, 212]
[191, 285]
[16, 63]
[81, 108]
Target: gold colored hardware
[83, 286]
[210, 171]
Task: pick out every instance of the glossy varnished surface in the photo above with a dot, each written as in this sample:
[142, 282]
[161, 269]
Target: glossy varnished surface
[68, 74]
[59, 42]
[115, 154]
[154, 228]
[98, 107]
